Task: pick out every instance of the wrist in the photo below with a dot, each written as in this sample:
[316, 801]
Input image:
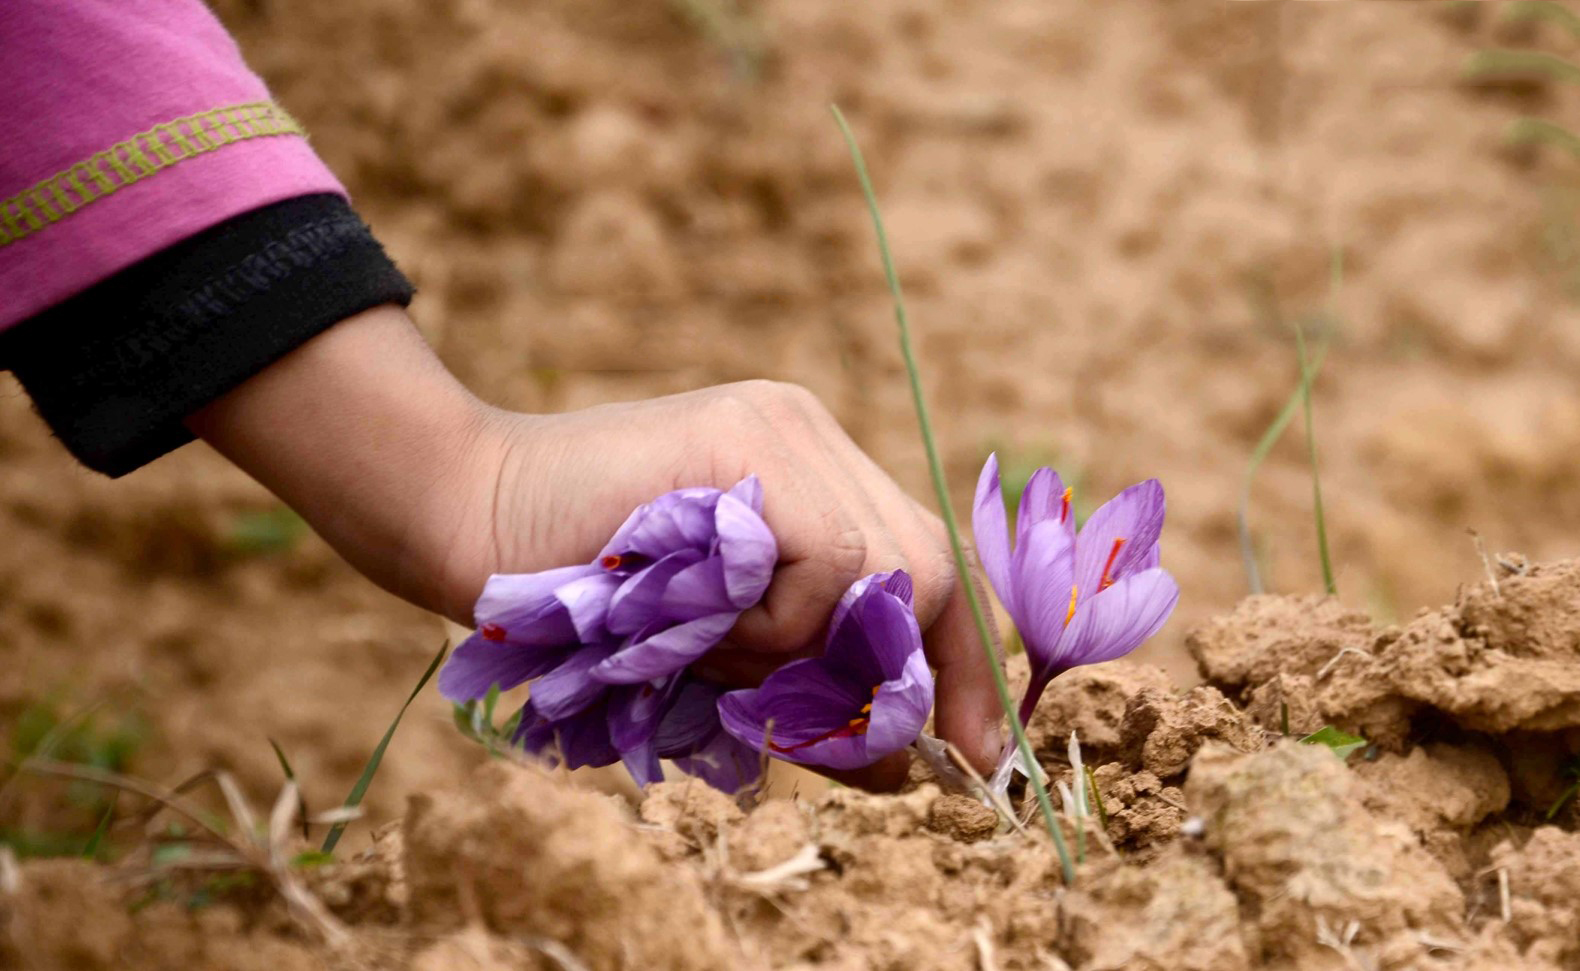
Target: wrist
[364, 433]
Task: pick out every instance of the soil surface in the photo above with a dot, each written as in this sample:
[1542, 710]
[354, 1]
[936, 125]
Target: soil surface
[1221, 843]
[1106, 218]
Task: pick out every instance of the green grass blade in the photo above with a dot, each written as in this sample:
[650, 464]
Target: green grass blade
[290, 776]
[936, 468]
[1537, 131]
[1517, 65]
[1259, 454]
[360, 789]
[1311, 453]
[91, 850]
[1556, 13]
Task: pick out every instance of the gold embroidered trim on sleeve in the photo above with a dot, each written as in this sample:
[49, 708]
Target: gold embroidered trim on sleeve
[136, 159]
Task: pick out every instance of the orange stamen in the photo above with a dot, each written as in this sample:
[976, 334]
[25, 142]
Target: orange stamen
[1074, 592]
[1113, 555]
[1064, 510]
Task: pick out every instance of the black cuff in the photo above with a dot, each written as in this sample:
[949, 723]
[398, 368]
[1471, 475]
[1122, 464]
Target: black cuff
[117, 368]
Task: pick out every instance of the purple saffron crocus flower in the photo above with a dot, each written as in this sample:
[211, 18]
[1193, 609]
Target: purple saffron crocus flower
[867, 696]
[688, 563]
[1075, 599]
[527, 625]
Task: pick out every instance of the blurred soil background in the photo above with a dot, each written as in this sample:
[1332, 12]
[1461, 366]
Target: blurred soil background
[1106, 218]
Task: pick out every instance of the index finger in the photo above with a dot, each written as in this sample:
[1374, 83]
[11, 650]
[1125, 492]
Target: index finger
[969, 713]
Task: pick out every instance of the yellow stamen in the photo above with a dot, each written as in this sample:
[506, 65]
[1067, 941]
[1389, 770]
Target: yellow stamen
[1074, 592]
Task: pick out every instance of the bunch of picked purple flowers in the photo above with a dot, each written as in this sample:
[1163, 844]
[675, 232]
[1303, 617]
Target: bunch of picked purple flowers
[607, 646]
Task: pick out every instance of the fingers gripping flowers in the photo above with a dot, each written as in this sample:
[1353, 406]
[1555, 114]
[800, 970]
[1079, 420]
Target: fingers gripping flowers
[607, 645]
[868, 696]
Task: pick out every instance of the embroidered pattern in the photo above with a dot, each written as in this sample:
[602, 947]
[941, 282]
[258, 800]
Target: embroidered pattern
[135, 159]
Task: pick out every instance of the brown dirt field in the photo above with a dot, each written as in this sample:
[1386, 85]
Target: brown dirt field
[1104, 215]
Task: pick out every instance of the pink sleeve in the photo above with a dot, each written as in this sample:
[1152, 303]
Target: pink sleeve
[130, 125]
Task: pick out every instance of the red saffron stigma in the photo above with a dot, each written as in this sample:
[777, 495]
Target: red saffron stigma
[1064, 510]
[1108, 568]
[851, 729]
[612, 561]
[492, 632]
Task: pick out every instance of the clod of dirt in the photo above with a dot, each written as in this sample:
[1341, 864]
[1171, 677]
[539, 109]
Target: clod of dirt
[1091, 702]
[33, 933]
[687, 816]
[962, 818]
[775, 831]
[474, 949]
[1174, 914]
[530, 857]
[1440, 792]
[1307, 860]
[370, 888]
[1142, 812]
[1544, 885]
[1267, 636]
[1163, 729]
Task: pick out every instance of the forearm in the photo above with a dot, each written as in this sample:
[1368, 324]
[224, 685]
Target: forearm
[364, 433]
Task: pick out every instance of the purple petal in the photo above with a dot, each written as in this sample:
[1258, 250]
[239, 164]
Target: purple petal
[897, 582]
[534, 733]
[875, 637]
[580, 740]
[691, 721]
[642, 763]
[900, 709]
[724, 763]
[586, 601]
[479, 664]
[750, 491]
[1118, 620]
[584, 737]
[802, 701]
[640, 599]
[635, 711]
[748, 550]
[1134, 516]
[665, 652]
[524, 606]
[1043, 501]
[569, 688]
[1044, 566]
[990, 530]
[677, 520]
[698, 591]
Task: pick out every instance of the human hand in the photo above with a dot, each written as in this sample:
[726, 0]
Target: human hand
[429, 492]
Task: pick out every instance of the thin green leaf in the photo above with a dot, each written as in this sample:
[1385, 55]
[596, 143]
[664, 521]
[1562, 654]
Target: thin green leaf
[1341, 742]
[1554, 13]
[1536, 131]
[91, 850]
[1316, 475]
[290, 776]
[312, 858]
[1097, 798]
[489, 701]
[1519, 65]
[941, 488]
[360, 789]
[1259, 454]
